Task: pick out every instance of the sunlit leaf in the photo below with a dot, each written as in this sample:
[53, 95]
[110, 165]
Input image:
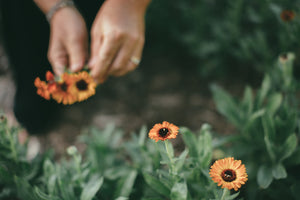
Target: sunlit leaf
[279, 171]
[264, 176]
[91, 188]
[179, 191]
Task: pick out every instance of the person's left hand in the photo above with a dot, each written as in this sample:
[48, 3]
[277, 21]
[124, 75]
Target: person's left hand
[117, 38]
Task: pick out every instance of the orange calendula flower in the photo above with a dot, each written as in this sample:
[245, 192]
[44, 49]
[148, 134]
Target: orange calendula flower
[84, 85]
[163, 131]
[65, 91]
[42, 88]
[287, 15]
[229, 173]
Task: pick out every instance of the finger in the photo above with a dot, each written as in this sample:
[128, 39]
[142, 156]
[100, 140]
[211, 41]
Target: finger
[128, 65]
[58, 57]
[78, 53]
[120, 62]
[95, 46]
[107, 52]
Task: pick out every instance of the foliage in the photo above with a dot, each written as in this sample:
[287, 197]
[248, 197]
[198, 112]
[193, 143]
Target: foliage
[221, 37]
[113, 167]
[268, 127]
[136, 169]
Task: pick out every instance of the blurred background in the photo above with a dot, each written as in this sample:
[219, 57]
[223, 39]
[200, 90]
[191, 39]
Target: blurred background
[189, 45]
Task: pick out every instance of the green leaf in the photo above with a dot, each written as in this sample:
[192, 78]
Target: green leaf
[265, 87]
[179, 191]
[48, 168]
[233, 196]
[24, 189]
[181, 160]
[264, 176]
[190, 141]
[247, 101]
[115, 172]
[121, 198]
[51, 183]
[91, 188]
[142, 135]
[269, 126]
[274, 103]
[156, 185]
[254, 116]
[270, 148]
[288, 147]
[279, 171]
[294, 159]
[127, 184]
[43, 196]
[226, 105]
[205, 145]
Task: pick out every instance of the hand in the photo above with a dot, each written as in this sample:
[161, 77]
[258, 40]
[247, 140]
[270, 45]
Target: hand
[117, 35]
[68, 44]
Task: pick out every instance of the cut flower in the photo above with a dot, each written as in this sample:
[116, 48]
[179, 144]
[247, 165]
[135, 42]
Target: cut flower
[229, 173]
[68, 88]
[163, 131]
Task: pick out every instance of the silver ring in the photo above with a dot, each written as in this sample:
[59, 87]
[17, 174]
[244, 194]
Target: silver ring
[135, 60]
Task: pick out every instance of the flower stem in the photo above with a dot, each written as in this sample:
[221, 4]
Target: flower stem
[12, 144]
[170, 155]
[225, 193]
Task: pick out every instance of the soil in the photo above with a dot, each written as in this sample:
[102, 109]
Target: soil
[159, 89]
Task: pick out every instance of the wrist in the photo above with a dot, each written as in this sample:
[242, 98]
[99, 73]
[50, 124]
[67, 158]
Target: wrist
[50, 7]
[45, 5]
[138, 5]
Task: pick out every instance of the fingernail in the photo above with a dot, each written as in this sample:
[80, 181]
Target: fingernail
[92, 62]
[58, 69]
[75, 67]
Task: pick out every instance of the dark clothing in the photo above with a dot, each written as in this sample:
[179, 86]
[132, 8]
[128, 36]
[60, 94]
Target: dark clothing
[26, 36]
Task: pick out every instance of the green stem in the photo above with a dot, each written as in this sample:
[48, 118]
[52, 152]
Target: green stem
[170, 155]
[225, 193]
[12, 144]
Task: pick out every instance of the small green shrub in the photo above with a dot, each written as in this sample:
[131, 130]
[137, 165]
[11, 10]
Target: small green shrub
[112, 167]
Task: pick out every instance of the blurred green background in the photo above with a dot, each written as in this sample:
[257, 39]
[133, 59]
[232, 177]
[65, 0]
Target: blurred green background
[223, 38]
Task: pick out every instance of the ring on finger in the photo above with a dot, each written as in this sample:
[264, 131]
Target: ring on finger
[135, 60]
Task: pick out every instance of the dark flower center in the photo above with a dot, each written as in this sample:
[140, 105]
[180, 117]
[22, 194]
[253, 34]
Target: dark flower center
[228, 175]
[287, 15]
[81, 85]
[64, 86]
[163, 132]
[2, 117]
[284, 56]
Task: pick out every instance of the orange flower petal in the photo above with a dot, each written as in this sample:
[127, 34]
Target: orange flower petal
[163, 131]
[229, 173]
[49, 76]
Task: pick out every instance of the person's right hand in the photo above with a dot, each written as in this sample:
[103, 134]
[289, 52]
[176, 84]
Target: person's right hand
[68, 45]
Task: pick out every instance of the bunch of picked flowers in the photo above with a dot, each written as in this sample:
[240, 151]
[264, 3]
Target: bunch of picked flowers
[67, 88]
